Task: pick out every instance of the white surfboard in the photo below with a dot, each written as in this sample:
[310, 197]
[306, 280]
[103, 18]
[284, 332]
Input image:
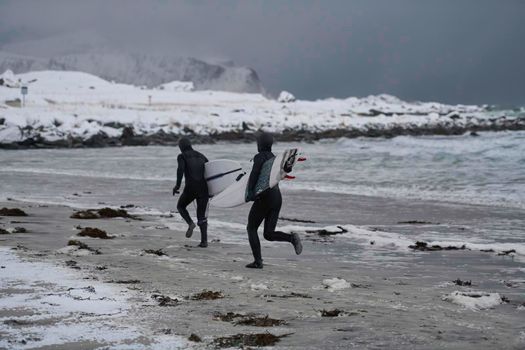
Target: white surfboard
[273, 171]
[220, 174]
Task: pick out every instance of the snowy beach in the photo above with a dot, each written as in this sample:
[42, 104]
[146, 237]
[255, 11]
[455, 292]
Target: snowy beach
[410, 242]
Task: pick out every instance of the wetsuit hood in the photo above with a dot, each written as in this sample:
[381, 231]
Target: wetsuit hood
[184, 144]
[264, 142]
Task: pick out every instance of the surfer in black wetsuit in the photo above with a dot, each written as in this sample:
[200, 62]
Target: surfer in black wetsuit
[191, 166]
[266, 206]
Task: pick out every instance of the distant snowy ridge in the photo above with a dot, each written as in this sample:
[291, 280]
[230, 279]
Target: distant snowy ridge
[141, 69]
[70, 109]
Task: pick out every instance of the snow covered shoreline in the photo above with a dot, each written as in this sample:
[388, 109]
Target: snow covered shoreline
[73, 109]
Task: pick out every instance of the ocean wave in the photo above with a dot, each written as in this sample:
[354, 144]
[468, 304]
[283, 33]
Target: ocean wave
[413, 192]
[84, 173]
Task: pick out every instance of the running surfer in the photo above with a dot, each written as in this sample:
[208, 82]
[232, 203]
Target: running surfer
[191, 166]
[266, 206]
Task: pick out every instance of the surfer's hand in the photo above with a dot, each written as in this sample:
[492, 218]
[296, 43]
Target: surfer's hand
[175, 190]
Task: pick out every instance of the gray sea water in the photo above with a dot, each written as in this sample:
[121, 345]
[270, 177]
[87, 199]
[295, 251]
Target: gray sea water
[489, 169]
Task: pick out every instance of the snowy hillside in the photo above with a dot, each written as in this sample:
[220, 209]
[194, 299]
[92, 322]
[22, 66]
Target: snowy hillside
[73, 108]
[136, 69]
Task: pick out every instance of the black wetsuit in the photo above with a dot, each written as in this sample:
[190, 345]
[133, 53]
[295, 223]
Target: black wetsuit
[191, 166]
[267, 205]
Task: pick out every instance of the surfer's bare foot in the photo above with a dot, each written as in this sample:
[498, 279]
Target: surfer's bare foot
[191, 227]
[296, 241]
[203, 245]
[255, 265]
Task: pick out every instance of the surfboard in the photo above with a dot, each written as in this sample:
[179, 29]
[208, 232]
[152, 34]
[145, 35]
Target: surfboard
[220, 174]
[273, 171]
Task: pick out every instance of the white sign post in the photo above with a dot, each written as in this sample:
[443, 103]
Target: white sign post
[23, 90]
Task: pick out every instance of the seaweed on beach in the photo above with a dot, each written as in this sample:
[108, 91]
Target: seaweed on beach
[114, 213]
[324, 232]
[287, 296]
[297, 220]
[103, 213]
[4, 232]
[507, 252]
[416, 222]
[12, 212]
[157, 252]
[424, 247]
[207, 295]
[249, 320]
[238, 340]
[260, 321]
[72, 264]
[459, 282]
[194, 338]
[332, 313]
[19, 229]
[94, 232]
[125, 281]
[165, 300]
[82, 245]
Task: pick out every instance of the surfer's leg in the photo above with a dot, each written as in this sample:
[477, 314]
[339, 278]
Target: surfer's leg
[202, 220]
[184, 200]
[255, 218]
[270, 222]
[270, 234]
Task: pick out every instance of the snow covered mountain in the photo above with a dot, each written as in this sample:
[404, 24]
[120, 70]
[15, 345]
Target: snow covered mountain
[141, 69]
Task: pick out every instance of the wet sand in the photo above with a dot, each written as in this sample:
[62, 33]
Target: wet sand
[393, 299]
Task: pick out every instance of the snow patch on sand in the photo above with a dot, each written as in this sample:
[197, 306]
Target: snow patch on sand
[334, 284]
[474, 300]
[258, 286]
[63, 307]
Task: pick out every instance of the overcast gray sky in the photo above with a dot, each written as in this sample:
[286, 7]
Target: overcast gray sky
[469, 51]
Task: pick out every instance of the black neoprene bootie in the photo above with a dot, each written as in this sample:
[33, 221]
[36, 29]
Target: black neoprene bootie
[204, 234]
[255, 265]
[189, 232]
[296, 241]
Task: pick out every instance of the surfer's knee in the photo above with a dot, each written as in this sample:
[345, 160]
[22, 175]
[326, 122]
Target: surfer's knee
[268, 236]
